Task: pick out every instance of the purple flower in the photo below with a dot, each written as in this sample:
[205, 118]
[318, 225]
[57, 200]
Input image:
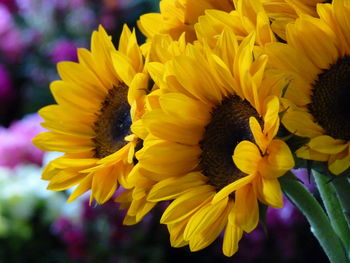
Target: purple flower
[285, 217]
[16, 142]
[64, 50]
[303, 175]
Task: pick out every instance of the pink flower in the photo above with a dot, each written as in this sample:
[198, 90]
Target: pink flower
[16, 142]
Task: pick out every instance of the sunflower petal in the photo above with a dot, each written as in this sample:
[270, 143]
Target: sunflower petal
[246, 157]
[246, 208]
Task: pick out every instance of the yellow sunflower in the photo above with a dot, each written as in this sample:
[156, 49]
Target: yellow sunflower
[179, 16]
[282, 12]
[162, 49]
[97, 101]
[248, 16]
[317, 58]
[211, 142]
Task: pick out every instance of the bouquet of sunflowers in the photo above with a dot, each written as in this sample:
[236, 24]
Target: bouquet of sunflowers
[210, 114]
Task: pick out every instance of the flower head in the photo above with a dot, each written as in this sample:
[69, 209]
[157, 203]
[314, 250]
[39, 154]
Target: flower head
[97, 101]
[179, 16]
[211, 145]
[317, 59]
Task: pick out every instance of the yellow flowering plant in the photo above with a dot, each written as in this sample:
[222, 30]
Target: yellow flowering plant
[210, 114]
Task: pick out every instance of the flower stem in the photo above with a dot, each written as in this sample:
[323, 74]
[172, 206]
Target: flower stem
[333, 208]
[342, 187]
[320, 224]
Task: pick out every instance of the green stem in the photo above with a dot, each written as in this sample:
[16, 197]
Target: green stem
[333, 208]
[342, 187]
[320, 225]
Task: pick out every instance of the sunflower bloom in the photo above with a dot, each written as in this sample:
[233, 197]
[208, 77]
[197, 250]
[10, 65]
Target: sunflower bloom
[248, 16]
[282, 12]
[162, 49]
[317, 58]
[97, 101]
[179, 16]
[211, 144]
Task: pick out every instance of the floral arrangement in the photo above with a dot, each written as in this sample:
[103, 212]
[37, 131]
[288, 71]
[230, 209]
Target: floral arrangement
[211, 114]
[35, 221]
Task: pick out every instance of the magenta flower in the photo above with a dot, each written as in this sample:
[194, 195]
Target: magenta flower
[5, 85]
[16, 142]
[64, 50]
[10, 4]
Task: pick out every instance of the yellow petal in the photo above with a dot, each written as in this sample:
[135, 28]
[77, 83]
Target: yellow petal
[259, 137]
[328, 145]
[149, 24]
[305, 152]
[283, 56]
[301, 123]
[232, 236]
[204, 218]
[277, 161]
[168, 158]
[206, 225]
[83, 187]
[123, 67]
[271, 115]
[188, 72]
[227, 190]
[176, 233]
[139, 129]
[172, 187]
[271, 190]
[340, 162]
[319, 45]
[104, 183]
[185, 108]
[50, 141]
[64, 180]
[246, 208]
[187, 204]
[75, 96]
[246, 157]
[166, 127]
[144, 210]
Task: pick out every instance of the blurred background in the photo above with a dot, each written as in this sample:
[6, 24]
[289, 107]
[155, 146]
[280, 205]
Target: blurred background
[36, 225]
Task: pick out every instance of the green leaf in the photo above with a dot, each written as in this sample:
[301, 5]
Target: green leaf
[317, 218]
[333, 208]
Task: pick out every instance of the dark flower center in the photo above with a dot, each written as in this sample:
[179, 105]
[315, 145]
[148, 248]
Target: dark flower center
[228, 127]
[330, 104]
[113, 122]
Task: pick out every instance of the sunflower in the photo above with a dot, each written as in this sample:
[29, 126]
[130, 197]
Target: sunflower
[248, 16]
[179, 16]
[282, 12]
[162, 49]
[317, 58]
[97, 101]
[211, 144]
